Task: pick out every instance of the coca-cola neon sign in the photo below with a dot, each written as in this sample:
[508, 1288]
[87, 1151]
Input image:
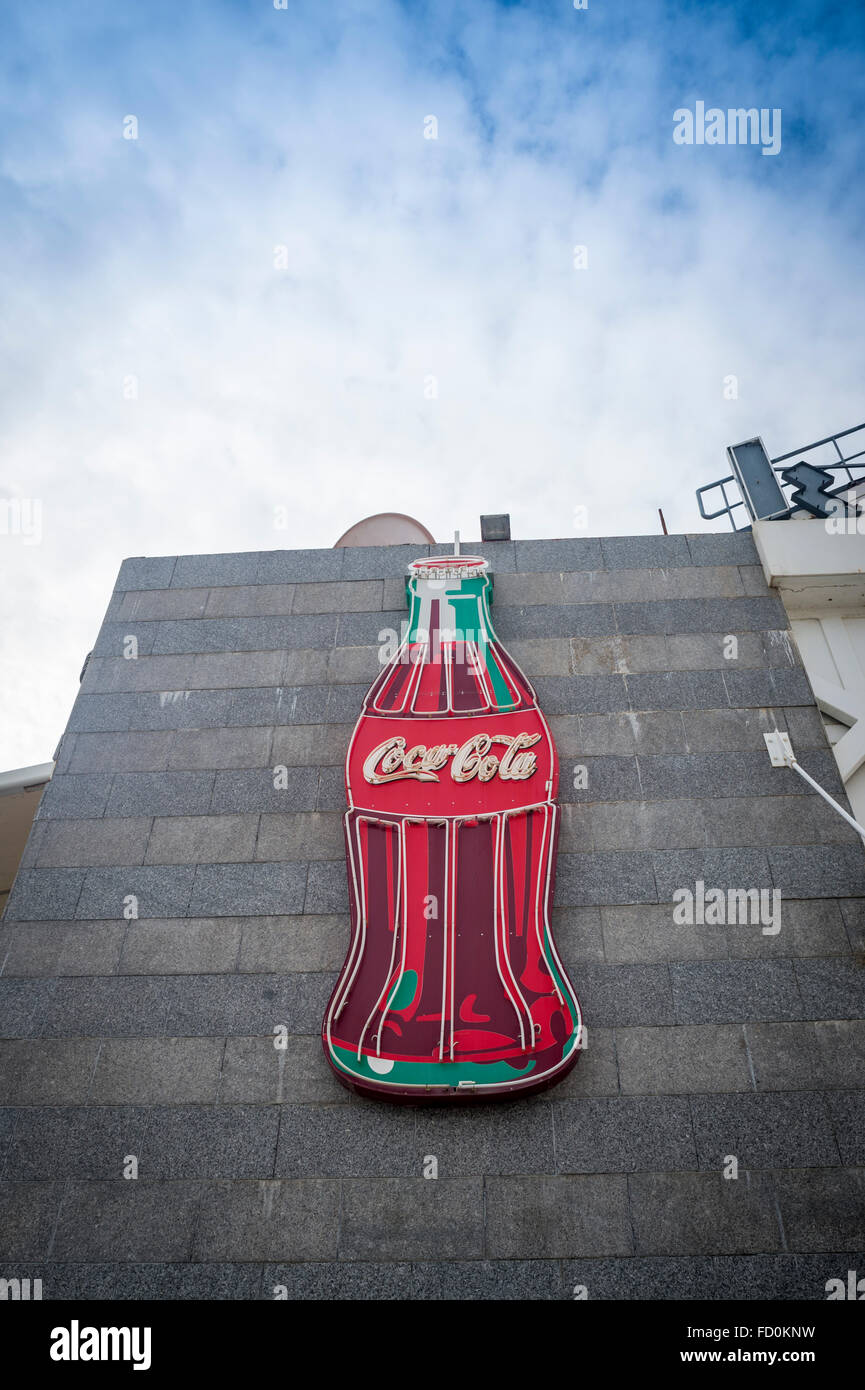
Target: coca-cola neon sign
[452, 986]
[392, 762]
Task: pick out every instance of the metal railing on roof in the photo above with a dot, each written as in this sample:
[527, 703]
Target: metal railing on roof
[848, 468]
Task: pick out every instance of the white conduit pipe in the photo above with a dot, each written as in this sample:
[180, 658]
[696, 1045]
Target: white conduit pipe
[781, 753]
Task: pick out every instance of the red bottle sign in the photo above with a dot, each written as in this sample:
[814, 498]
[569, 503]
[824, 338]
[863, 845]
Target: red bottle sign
[452, 987]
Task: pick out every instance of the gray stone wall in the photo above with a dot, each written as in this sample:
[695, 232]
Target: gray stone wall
[154, 1037]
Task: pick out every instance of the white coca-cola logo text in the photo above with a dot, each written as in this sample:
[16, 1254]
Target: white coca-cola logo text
[391, 762]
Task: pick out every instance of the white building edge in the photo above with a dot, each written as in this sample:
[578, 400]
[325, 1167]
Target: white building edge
[819, 574]
[806, 510]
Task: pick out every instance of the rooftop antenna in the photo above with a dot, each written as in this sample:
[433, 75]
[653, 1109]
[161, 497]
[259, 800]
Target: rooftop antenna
[456, 542]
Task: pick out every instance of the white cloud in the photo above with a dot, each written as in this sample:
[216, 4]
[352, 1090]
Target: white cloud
[406, 258]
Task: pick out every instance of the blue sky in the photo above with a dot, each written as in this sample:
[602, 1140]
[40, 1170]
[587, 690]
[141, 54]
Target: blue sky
[281, 293]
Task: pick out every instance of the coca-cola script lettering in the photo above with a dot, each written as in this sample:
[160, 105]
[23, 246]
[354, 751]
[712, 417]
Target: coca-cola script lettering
[391, 762]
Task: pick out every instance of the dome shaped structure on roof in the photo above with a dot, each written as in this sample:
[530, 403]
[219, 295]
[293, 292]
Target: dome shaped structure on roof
[386, 528]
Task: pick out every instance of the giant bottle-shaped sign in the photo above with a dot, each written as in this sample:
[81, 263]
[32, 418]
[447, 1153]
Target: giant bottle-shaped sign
[452, 987]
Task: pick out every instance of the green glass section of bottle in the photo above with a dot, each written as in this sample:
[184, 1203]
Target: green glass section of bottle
[470, 603]
[429, 1073]
[403, 993]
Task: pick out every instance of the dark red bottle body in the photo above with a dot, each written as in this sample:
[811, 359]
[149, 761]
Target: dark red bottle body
[452, 987]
